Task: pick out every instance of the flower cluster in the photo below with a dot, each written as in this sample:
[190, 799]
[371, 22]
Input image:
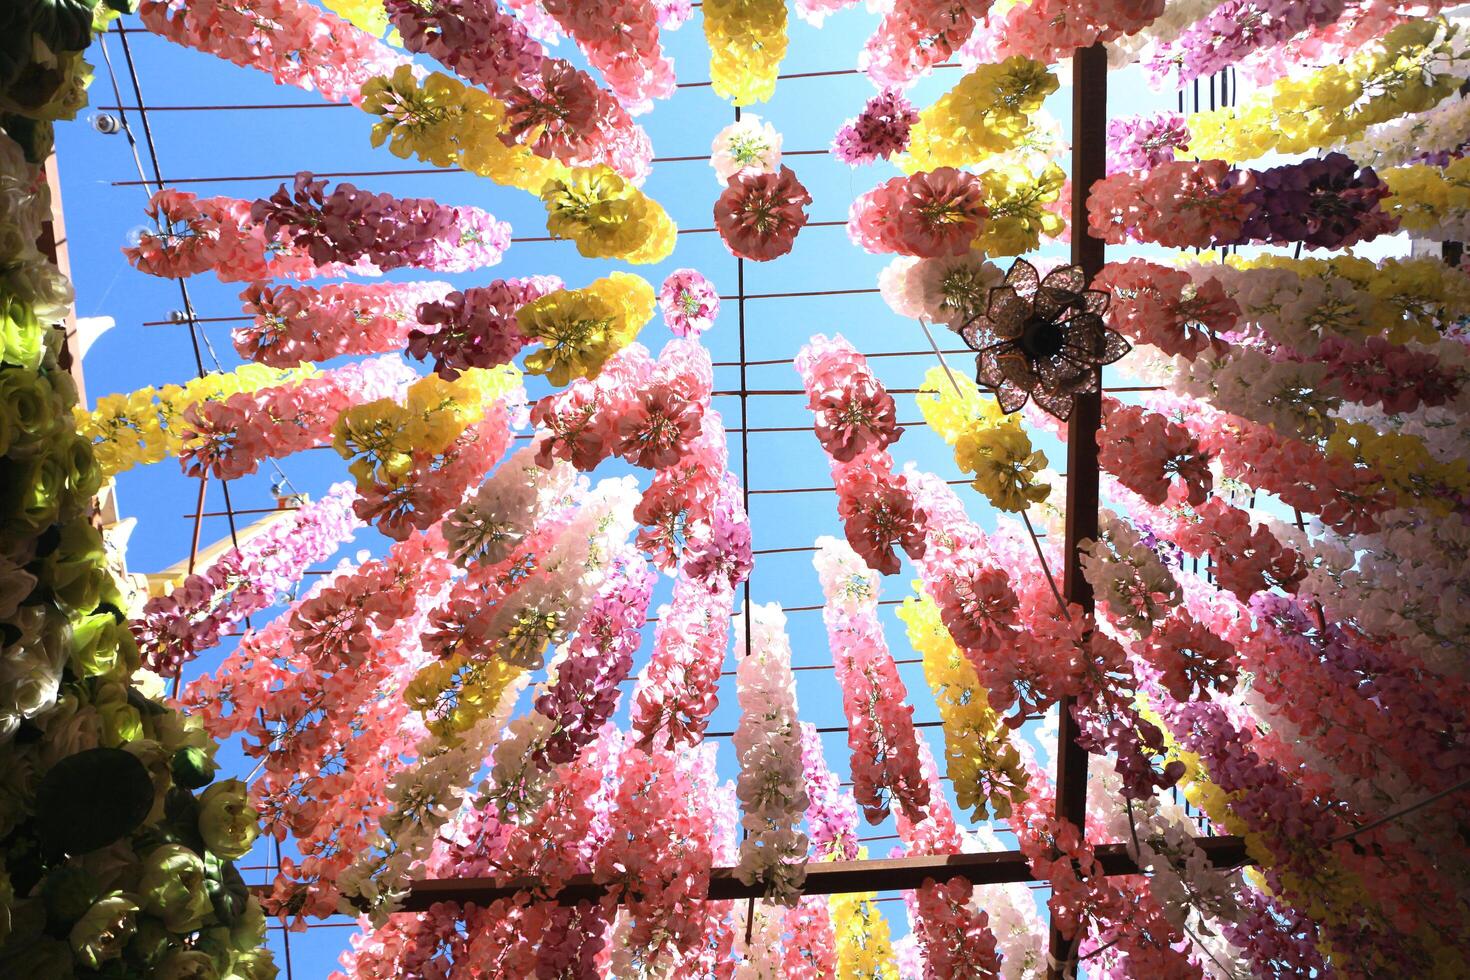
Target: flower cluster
[1049, 30]
[579, 329]
[768, 745]
[351, 226]
[988, 112]
[1147, 452]
[885, 759]
[1127, 576]
[229, 437]
[192, 617]
[1432, 202]
[623, 46]
[690, 303]
[1436, 136]
[880, 131]
[1326, 203]
[111, 856]
[145, 426]
[928, 214]
[1230, 33]
[647, 411]
[413, 461]
[446, 123]
[759, 214]
[1167, 308]
[297, 43]
[916, 35]
[950, 289]
[476, 328]
[291, 324]
[987, 442]
[1143, 142]
[1411, 68]
[831, 814]
[746, 145]
[747, 40]
[558, 111]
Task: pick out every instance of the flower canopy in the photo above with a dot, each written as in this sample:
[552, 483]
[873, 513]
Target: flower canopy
[539, 641]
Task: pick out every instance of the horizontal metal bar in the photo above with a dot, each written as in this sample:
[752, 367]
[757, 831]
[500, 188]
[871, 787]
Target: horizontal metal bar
[823, 877]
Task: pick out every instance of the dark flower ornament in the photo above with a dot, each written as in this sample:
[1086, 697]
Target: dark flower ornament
[1042, 338]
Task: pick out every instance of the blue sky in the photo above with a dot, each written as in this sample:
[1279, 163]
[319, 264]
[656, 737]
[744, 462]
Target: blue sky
[102, 213]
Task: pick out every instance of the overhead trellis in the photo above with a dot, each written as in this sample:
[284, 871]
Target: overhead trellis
[1242, 594]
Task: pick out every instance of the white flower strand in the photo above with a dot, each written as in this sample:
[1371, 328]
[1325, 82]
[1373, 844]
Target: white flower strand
[770, 787]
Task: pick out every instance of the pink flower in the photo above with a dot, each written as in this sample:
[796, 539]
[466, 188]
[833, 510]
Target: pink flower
[926, 214]
[758, 215]
[690, 303]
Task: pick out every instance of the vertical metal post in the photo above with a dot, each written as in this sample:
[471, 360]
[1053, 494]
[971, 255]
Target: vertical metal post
[1089, 164]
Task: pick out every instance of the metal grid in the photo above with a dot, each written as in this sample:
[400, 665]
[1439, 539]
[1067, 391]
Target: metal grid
[1089, 121]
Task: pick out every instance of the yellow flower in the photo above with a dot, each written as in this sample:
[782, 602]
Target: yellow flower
[1410, 69]
[747, 40]
[984, 766]
[1017, 201]
[582, 328]
[986, 113]
[864, 950]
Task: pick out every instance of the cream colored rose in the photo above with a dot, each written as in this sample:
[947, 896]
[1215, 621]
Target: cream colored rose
[227, 821]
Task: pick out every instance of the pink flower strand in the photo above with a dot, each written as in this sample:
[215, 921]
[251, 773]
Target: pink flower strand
[351, 225]
[1167, 308]
[916, 35]
[556, 109]
[878, 132]
[1049, 30]
[927, 214]
[228, 438]
[297, 43]
[1147, 452]
[292, 324]
[200, 609]
[475, 328]
[621, 42]
[885, 762]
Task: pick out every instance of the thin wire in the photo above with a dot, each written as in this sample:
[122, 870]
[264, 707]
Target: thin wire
[1462, 785]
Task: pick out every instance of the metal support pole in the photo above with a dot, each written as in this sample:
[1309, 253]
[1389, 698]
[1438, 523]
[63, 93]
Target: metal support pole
[1089, 164]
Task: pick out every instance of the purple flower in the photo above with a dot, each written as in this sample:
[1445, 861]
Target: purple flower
[880, 130]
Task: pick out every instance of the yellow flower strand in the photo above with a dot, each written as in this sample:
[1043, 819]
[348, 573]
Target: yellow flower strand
[1405, 465]
[1425, 197]
[987, 442]
[445, 123]
[365, 15]
[455, 693]
[1410, 296]
[1411, 68]
[1017, 199]
[864, 950]
[747, 40]
[144, 426]
[582, 328]
[984, 766]
[987, 112]
[382, 437]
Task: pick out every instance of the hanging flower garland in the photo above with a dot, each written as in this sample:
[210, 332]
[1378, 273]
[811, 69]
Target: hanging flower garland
[1436, 136]
[988, 112]
[1326, 203]
[987, 442]
[625, 50]
[1234, 31]
[768, 747]
[758, 215]
[747, 40]
[885, 764]
[881, 130]
[476, 328]
[1049, 30]
[916, 35]
[297, 43]
[747, 144]
[291, 324]
[555, 109]
[1412, 68]
[1432, 202]
[928, 214]
[200, 608]
[145, 426]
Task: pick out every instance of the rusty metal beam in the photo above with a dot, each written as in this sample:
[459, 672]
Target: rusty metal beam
[822, 878]
[1089, 164]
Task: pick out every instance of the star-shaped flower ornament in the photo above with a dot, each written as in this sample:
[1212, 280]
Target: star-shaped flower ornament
[1042, 338]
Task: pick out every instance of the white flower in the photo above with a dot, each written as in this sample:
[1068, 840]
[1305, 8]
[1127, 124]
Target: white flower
[745, 145]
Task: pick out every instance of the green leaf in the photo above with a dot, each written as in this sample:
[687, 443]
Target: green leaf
[91, 799]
